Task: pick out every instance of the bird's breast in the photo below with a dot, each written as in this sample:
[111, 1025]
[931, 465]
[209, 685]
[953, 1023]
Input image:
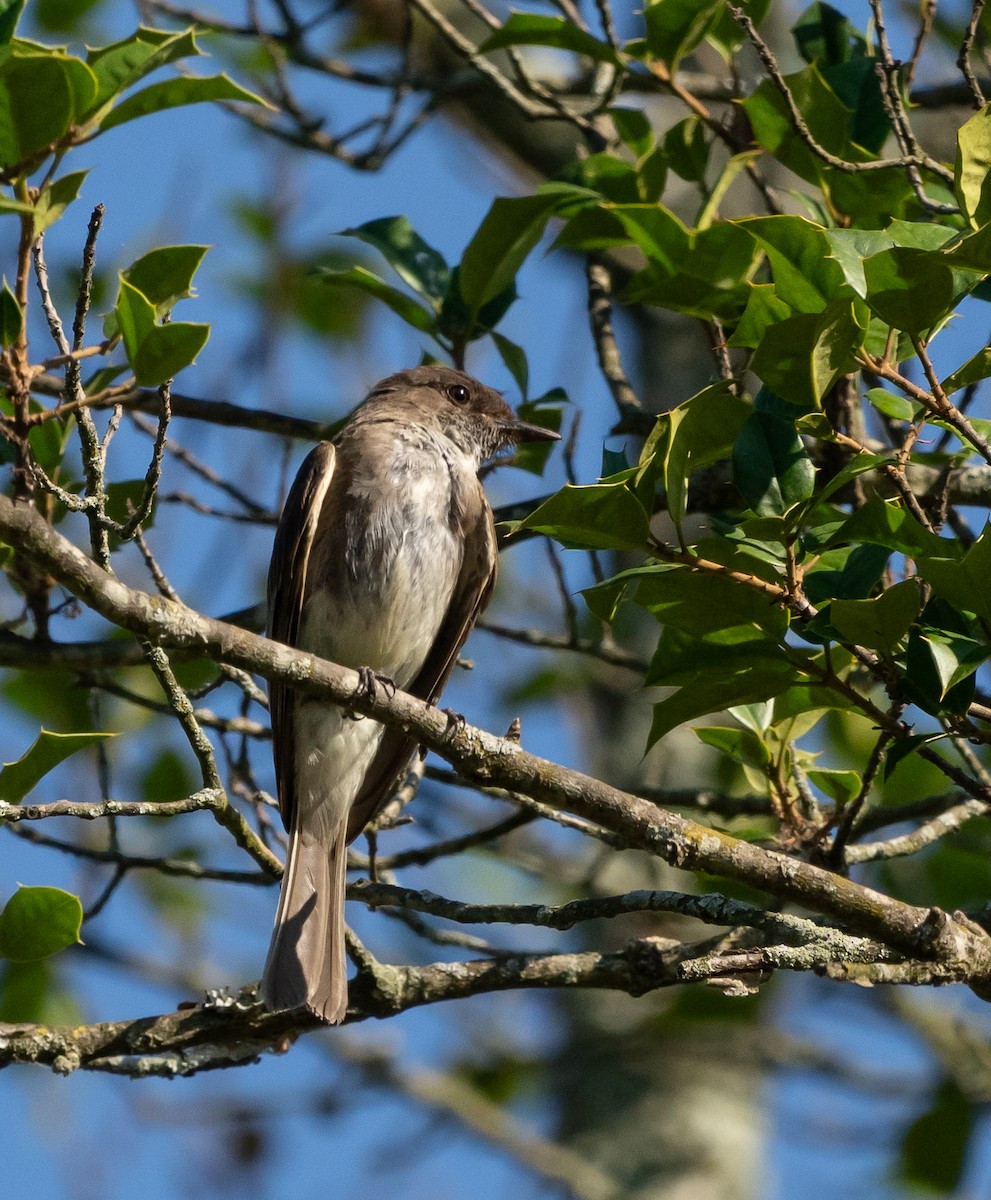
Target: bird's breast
[385, 568]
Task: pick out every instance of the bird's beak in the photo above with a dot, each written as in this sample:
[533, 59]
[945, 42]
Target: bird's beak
[521, 431]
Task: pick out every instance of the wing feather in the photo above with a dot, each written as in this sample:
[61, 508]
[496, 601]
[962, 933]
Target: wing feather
[287, 593]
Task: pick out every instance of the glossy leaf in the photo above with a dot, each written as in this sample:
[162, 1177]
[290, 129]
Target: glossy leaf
[824, 35]
[695, 601]
[965, 584]
[699, 432]
[806, 276]
[401, 304]
[878, 624]
[910, 289]
[18, 778]
[174, 93]
[37, 922]
[887, 524]
[532, 29]
[771, 466]
[801, 357]
[596, 516]
[414, 261]
[728, 677]
[514, 359]
[634, 129]
[676, 27]
[122, 64]
[41, 94]
[165, 275]
[167, 349]
[510, 230]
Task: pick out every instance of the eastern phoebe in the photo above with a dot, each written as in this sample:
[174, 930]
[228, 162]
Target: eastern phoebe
[383, 559]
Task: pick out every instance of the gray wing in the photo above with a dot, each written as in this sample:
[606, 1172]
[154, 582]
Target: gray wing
[471, 594]
[287, 591]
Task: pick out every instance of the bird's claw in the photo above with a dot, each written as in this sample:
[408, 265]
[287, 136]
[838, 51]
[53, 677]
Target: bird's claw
[455, 723]
[369, 682]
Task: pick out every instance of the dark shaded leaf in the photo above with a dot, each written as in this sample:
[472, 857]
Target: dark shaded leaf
[11, 317]
[771, 466]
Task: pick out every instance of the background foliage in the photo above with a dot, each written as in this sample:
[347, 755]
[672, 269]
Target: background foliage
[740, 256]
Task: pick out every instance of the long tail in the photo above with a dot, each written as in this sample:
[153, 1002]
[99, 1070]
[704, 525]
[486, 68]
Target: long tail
[306, 964]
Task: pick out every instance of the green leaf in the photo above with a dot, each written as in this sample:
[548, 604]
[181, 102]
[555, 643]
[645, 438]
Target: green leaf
[742, 745]
[514, 358]
[173, 93]
[887, 524]
[763, 311]
[716, 679]
[823, 35]
[903, 748]
[705, 273]
[687, 150]
[165, 275]
[964, 584]
[510, 230]
[973, 371]
[10, 12]
[849, 248]
[120, 65]
[695, 434]
[676, 27]
[939, 669]
[37, 922]
[828, 119]
[878, 624]
[135, 318]
[806, 276]
[402, 305]
[18, 778]
[9, 205]
[909, 289]
[634, 129]
[801, 357]
[166, 349]
[695, 602]
[11, 317]
[771, 466]
[972, 167]
[41, 94]
[531, 29]
[839, 785]
[597, 516]
[899, 408]
[848, 573]
[55, 198]
[413, 260]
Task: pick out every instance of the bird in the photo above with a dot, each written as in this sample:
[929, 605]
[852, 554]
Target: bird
[384, 557]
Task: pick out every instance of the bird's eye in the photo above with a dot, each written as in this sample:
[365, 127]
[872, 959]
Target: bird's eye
[458, 393]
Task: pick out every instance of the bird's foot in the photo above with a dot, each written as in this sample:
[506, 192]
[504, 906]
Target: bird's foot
[455, 723]
[369, 682]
